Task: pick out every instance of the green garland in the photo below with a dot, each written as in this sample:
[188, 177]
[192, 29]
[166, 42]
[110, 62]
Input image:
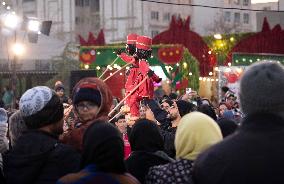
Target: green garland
[189, 69]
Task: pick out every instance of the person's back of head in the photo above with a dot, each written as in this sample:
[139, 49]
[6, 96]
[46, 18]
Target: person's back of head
[185, 107]
[103, 147]
[262, 89]
[196, 132]
[173, 96]
[16, 127]
[41, 107]
[208, 110]
[145, 136]
[227, 126]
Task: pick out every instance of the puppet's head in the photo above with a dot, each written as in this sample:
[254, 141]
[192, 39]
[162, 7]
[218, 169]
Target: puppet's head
[143, 47]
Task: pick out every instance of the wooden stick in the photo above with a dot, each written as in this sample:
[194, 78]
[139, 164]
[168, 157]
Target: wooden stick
[118, 114]
[108, 68]
[117, 71]
[136, 87]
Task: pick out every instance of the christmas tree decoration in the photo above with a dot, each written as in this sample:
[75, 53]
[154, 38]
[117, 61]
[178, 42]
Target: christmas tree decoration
[191, 72]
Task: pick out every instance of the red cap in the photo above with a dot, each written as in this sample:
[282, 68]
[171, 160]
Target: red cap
[131, 38]
[143, 42]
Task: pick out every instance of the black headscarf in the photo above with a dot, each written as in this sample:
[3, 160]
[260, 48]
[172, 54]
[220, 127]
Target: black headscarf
[145, 136]
[103, 146]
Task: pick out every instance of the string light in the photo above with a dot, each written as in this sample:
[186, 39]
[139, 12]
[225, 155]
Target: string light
[120, 73]
[127, 68]
[218, 36]
[98, 53]
[86, 66]
[98, 68]
[4, 3]
[210, 73]
[229, 64]
[190, 73]
[177, 64]
[200, 78]
[110, 74]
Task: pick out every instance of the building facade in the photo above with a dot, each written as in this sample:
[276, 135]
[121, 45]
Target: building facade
[270, 11]
[116, 17]
[221, 20]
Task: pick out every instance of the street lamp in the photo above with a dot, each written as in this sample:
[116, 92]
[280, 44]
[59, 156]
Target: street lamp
[34, 25]
[11, 21]
[18, 49]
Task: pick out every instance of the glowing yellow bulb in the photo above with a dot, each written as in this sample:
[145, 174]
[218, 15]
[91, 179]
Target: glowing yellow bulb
[86, 66]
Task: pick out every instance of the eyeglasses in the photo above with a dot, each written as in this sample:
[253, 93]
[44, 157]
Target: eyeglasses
[87, 105]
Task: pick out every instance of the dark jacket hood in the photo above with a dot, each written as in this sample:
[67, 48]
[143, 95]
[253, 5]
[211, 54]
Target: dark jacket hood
[28, 157]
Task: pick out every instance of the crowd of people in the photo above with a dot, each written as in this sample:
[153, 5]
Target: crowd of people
[176, 139]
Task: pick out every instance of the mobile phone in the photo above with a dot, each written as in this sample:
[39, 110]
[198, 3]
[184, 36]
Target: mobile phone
[188, 90]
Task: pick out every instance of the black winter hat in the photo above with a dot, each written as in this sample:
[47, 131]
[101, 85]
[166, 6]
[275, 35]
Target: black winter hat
[87, 93]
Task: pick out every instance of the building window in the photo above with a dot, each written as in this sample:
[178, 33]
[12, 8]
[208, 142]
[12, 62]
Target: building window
[86, 2]
[236, 2]
[266, 8]
[246, 2]
[246, 18]
[79, 3]
[95, 5]
[227, 16]
[27, 1]
[166, 16]
[154, 15]
[237, 17]
[154, 33]
[77, 20]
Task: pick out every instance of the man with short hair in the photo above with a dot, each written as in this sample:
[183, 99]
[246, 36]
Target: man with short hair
[38, 156]
[255, 153]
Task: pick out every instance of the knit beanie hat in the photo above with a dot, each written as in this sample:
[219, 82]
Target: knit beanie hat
[87, 92]
[262, 88]
[40, 106]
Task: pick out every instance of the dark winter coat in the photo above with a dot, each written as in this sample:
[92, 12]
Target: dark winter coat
[39, 158]
[90, 174]
[254, 154]
[169, 140]
[139, 162]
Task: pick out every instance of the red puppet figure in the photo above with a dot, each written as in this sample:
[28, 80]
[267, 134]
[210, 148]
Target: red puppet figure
[139, 69]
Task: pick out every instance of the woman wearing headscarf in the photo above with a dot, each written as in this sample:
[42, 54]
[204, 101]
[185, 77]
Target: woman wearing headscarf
[195, 133]
[92, 100]
[161, 117]
[102, 158]
[147, 149]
